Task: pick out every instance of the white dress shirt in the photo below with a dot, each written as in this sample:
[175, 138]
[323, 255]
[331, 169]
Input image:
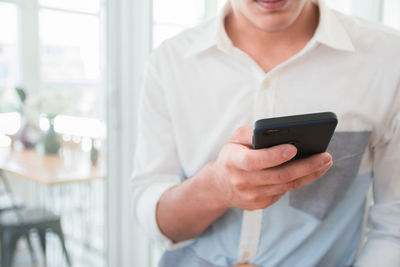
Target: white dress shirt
[199, 89]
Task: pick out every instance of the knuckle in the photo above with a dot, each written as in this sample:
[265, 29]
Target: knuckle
[235, 181]
[224, 167]
[251, 197]
[283, 176]
[238, 182]
[293, 184]
[247, 162]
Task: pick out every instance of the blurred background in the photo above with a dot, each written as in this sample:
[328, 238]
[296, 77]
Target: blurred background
[70, 73]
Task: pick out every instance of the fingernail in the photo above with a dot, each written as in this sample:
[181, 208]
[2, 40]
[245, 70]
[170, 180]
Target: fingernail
[327, 165]
[289, 153]
[326, 159]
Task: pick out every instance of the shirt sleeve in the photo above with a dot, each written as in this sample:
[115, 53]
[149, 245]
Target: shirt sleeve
[156, 166]
[382, 247]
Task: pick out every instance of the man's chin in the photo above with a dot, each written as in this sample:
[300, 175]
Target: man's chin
[274, 26]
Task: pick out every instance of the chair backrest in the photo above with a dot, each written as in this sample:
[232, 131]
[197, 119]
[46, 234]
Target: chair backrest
[7, 198]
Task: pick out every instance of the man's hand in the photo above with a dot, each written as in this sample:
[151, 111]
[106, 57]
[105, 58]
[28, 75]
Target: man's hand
[255, 179]
[240, 177]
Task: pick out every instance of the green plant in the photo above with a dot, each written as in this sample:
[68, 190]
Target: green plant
[21, 94]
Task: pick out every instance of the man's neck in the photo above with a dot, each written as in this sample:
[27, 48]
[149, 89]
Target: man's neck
[270, 48]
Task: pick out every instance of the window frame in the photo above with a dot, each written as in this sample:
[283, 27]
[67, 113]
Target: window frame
[29, 43]
[128, 46]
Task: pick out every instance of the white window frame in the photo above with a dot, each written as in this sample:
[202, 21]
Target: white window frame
[391, 11]
[129, 31]
[29, 43]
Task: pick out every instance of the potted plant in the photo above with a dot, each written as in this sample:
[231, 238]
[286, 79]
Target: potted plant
[50, 104]
[28, 134]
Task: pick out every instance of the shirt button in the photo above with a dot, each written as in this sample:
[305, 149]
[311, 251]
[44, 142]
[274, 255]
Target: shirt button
[266, 84]
[246, 255]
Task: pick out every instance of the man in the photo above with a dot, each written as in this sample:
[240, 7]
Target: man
[200, 189]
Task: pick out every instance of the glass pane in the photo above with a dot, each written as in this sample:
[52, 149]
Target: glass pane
[69, 47]
[343, 6]
[91, 6]
[179, 12]
[8, 45]
[84, 99]
[162, 32]
[221, 4]
[391, 11]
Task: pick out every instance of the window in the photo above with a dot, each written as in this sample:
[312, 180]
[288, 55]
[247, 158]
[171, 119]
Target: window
[8, 44]
[55, 46]
[390, 13]
[9, 66]
[9, 70]
[88, 6]
[343, 6]
[171, 17]
[69, 36]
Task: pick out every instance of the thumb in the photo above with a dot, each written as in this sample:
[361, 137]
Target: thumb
[243, 136]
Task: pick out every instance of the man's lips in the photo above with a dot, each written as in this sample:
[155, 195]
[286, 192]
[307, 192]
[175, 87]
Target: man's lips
[272, 4]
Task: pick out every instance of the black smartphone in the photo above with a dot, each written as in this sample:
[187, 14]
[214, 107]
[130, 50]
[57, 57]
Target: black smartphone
[310, 133]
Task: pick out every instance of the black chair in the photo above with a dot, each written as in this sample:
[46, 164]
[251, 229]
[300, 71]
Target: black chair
[17, 222]
[6, 203]
[9, 202]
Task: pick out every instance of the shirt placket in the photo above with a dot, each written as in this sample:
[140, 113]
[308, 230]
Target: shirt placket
[264, 106]
[264, 103]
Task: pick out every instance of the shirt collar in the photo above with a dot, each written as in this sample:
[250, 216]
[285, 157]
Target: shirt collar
[330, 32]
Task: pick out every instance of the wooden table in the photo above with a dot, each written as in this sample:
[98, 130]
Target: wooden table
[64, 184]
[50, 169]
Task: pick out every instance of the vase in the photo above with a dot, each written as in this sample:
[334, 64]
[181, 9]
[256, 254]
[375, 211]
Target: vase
[94, 154]
[27, 135]
[51, 141]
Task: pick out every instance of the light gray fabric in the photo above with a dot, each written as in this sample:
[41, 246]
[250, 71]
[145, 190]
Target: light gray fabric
[320, 197]
[181, 258]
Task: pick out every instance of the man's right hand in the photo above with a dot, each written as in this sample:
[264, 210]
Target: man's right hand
[255, 179]
[240, 177]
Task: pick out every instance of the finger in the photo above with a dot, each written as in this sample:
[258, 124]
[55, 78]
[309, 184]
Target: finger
[251, 160]
[275, 199]
[243, 136]
[292, 170]
[277, 189]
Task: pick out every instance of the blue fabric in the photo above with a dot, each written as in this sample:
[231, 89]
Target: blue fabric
[290, 237]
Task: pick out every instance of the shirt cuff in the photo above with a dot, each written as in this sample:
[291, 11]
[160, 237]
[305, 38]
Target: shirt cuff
[146, 214]
[379, 253]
